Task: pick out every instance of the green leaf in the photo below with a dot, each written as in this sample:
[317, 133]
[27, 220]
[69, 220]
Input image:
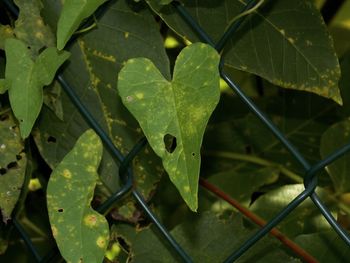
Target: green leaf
[31, 28]
[179, 109]
[73, 12]
[161, 2]
[325, 246]
[81, 233]
[305, 218]
[242, 184]
[336, 136]
[206, 238]
[92, 73]
[13, 163]
[26, 78]
[285, 42]
[5, 32]
[3, 86]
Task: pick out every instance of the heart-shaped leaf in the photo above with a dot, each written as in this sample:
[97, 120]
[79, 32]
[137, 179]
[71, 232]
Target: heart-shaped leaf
[177, 111]
[91, 72]
[81, 233]
[25, 79]
[73, 12]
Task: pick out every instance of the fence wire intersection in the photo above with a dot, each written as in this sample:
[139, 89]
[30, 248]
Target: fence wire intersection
[126, 174]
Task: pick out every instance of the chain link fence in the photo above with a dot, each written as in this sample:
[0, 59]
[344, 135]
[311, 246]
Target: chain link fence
[126, 173]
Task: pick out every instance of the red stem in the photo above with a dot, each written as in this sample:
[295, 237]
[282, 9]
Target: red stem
[259, 221]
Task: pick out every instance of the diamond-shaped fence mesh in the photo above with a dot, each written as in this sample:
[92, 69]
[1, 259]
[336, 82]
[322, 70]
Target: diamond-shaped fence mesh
[126, 173]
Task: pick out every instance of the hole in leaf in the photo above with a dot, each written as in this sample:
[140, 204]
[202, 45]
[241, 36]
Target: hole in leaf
[42, 49]
[51, 139]
[29, 47]
[3, 171]
[18, 157]
[60, 210]
[12, 165]
[4, 117]
[170, 143]
[21, 120]
[122, 242]
[193, 154]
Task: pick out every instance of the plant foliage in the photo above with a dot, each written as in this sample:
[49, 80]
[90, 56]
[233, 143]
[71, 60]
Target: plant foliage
[142, 71]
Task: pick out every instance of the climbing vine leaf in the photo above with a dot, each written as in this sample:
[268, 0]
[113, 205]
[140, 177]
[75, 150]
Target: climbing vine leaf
[25, 79]
[73, 12]
[285, 42]
[177, 109]
[12, 165]
[81, 233]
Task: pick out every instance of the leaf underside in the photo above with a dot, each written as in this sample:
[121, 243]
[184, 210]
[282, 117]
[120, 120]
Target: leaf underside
[285, 42]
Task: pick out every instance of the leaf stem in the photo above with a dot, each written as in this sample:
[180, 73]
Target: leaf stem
[256, 160]
[245, 13]
[259, 221]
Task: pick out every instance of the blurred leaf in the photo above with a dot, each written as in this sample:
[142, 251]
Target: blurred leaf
[182, 106]
[344, 83]
[241, 184]
[325, 246]
[301, 117]
[92, 72]
[82, 234]
[336, 136]
[12, 165]
[285, 42]
[30, 27]
[341, 36]
[206, 239]
[25, 79]
[73, 13]
[306, 218]
[52, 99]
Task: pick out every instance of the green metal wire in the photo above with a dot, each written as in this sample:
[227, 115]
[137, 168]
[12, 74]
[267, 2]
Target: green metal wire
[125, 171]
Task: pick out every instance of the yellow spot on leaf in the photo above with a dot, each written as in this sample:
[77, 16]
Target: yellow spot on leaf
[126, 34]
[104, 56]
[39, 35]
[90, 169]
[90, 220]
[139, 95]
[187, 189]
[54, 231]
[101, 242]
[67, 174]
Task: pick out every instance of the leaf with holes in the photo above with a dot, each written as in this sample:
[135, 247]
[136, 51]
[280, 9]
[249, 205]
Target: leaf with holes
[176, 110]
[12, 165]
[285, 42]
[30, 27]
[81, 233]
[335, 137]
[25, 79]
[91, 73]
[73, 12]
